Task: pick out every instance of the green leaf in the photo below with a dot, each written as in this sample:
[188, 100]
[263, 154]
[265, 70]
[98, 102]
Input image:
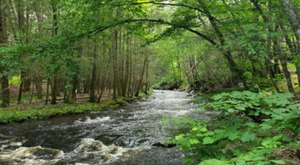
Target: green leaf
[240, 107]
[233, 135]
[203, 129]
[179, 137]
[214, 162]
[194, 141]
[246, 137]
[278, 161]
[230, 110]
[250, 124]
[208, 140]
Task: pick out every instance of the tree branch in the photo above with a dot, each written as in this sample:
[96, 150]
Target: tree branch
[157, 21]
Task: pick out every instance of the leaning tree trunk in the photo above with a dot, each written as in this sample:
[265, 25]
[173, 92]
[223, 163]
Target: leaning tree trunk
[293, 51]
[236, 71]
[292, 14]
[283, 60]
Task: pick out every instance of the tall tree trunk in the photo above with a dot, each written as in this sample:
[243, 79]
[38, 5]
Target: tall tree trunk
[283, 60]
[3, 78]
[39, 86]
[54, 89]
[55, 86]
[74, 87]
[39, 78]
[192, 75]
[129, 60]
[93, 81]
[291, 11]
[47, 91]
[27, 82]
[4, 88]
[293, 51]
[126, 67]
[86, 86]
[147, 77]
[75, 80]
[120, 63]
[104, 75]
[178, 64]
[114, 37]
[20, 39]
[21, 87]
[132, 68]
[140, 83]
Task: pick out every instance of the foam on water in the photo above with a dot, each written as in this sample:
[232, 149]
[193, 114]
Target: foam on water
[130, 133]
[95, 152]
[88, 151]
[88, 120]
[32, 155]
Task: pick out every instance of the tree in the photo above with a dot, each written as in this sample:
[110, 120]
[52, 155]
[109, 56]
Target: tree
[55, 88]
[3, 70]
[292, 14]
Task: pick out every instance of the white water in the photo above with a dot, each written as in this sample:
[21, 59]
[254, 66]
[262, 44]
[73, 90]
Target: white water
[88, 120]
[122, 136]
[88, 148]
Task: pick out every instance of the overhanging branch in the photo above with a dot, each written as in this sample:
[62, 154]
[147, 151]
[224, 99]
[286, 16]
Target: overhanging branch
[156, 21]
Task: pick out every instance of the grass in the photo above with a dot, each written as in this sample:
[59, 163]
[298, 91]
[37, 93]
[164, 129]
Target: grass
[44, 112]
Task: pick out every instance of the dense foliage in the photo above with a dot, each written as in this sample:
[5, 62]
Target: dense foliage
[60, 48]
[247, 128]
[71, 51]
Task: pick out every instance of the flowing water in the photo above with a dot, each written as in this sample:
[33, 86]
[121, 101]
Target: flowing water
[131, 134]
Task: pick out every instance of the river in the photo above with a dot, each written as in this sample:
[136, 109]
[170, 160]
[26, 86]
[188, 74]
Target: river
[131, 135]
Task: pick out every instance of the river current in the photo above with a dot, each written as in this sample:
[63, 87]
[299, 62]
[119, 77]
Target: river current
[130, 135]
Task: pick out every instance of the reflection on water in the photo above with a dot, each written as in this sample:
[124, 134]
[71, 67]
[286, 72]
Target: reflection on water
[122, 136]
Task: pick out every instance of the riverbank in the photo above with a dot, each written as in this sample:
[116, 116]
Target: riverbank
[46, 111]
[245, 127]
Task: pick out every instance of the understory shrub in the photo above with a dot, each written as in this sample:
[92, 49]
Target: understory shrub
[248, 128]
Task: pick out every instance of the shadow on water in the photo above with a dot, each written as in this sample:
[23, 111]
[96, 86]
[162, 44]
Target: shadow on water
[127, 135]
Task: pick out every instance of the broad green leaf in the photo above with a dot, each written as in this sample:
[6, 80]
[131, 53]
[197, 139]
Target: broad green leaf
[278, 161]
[246, 137]
[233, 135]
[208, 140]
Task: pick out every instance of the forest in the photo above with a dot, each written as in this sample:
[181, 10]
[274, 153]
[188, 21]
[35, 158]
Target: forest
[237, 62]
